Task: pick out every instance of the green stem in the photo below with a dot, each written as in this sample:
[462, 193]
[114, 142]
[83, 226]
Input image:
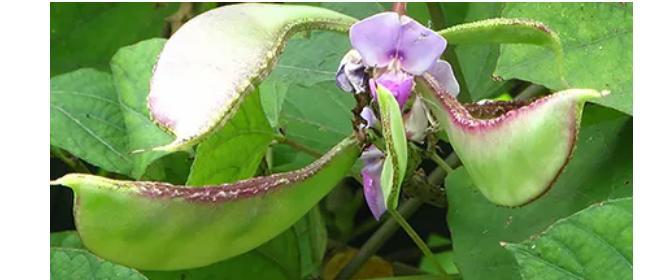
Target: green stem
[416, 238]
[70, 161]
[284, 140]
[388, 228]
[439, 161]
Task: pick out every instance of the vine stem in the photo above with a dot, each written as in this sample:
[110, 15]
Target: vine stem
[390, 226]
[439, 161]
[418, 241]
[70, 161]
[307, 150]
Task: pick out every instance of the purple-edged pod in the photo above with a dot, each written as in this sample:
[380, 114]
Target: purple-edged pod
[214, 60]
[159, 226]
[513, 151]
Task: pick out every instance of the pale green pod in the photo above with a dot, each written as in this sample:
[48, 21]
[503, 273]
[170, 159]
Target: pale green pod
[513, 151]
[214, 60]
[508, 31]
[159, 226]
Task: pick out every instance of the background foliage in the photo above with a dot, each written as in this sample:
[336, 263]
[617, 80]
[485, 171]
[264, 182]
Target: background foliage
[101, 61]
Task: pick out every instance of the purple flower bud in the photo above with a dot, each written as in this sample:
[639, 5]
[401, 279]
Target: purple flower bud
[351, 75]
[368, 115]
[373, 160]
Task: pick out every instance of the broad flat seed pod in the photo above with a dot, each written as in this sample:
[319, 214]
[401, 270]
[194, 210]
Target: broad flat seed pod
[159, 226]
[514, 151]
[214, 60]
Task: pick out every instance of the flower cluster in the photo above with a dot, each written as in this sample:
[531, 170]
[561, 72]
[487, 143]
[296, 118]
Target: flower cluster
[389, 50]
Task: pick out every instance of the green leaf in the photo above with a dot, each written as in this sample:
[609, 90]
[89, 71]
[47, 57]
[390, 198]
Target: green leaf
[396, 160]
[88, 34]
[234, 152]
[66, 239]
[86, 119]
[595, 243]
[185, 96]
[600, 169]
[477, 61]
[131, 68]
[70, 263]
[445, 258]
[597, 41]
[272, 94]
[316, 117]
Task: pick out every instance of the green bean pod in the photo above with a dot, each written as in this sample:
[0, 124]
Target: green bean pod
[159, 226]
[513, 151]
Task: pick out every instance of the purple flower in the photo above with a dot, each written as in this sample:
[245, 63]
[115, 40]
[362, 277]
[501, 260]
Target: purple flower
[390, 49]
[398, 47]
[373, 160]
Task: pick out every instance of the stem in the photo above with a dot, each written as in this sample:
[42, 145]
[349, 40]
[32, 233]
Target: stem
[377, 239]
[399, 7]
[439, 161]
[416, 238]
[73, 163]
[284, 140]
[438, 21]
[390, 226]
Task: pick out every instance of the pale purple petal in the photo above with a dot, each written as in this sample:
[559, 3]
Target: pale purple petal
[373, 164]
[351, 75]
[369, 116]
[376, 38]
[416, 121]
[444, 74]
[399, 84]
[418, 46]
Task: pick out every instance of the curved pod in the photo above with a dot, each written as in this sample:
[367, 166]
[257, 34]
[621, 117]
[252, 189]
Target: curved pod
[214, 60]
[515, 151]
[159, 226]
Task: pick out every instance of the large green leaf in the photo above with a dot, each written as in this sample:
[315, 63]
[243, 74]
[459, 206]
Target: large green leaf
[131, 68]
[234, 152]
[88, 34]
[597, 42]
[595, 243]
[70, 263]
[66, 239]
[103, 119]
[205, 71]
[600, 169]
[86, 119]
[315, 117]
